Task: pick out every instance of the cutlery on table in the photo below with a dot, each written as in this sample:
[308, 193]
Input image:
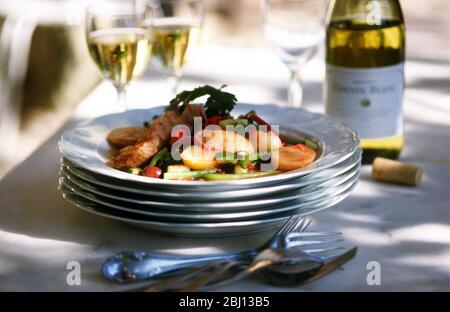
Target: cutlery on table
[286, 275]
[309, 258]
[294, 275]
[128, 266]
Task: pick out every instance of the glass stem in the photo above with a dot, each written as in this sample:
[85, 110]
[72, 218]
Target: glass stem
[122, 98]
[295, 92]
[174, 81]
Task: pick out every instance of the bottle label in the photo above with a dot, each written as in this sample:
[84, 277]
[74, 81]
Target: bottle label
[367, 99]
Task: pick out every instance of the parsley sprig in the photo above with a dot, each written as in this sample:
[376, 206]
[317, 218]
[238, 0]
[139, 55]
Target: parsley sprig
[218, 103]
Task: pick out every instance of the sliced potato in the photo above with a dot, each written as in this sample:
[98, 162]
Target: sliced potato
[121, 137]
[197, 158]
[293, 157]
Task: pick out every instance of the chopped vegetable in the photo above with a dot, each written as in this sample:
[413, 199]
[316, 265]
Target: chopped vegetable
[135, 171]
[158, 156]
[152, 172]
[259, 121]
[243, 163]
[311, 144]
[249, 159]
[197, 174]
[214, 120]
[233, 122]
[178, 168]
[238, 169]
[262, 122]
[252, 112]
[290, 140]
[229, 177]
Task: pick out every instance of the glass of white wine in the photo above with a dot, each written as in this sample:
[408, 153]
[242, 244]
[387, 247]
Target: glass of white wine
[176, 32]
[295, 29]
[119, 41]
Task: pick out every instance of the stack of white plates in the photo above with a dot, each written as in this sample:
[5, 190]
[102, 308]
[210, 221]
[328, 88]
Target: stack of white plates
[201, 208]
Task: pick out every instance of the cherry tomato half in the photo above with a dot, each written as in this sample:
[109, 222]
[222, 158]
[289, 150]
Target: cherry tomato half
[152, 172]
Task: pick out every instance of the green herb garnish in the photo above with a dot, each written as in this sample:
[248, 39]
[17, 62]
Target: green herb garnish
[218, 103]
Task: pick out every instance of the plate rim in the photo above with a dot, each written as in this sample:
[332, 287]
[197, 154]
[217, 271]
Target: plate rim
[215, 217]
[333, 201]
[214, 206]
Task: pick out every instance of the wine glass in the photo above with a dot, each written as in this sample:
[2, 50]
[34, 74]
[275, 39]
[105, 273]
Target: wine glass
[295, 28]
[176, 32]
[119, 41]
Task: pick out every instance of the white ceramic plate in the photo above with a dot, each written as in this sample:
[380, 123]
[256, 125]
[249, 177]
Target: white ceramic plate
[85, 145]
[200, 230]
[210, 196]
[146, 202]
[175, 216]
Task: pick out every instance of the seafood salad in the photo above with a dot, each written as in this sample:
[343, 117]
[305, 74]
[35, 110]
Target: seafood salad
[205, 142]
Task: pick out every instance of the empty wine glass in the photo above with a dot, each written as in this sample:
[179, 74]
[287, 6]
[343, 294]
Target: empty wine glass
[295, 28]
[119, 41]
[176, 33]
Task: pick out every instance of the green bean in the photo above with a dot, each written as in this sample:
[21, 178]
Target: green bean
[290, 140]
[234, 122]
[248, 159]
[238, 176]
[197, 174]
[311, 144]
[158, 156]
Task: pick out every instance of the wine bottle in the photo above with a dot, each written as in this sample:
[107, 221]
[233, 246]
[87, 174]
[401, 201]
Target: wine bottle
[365, 53]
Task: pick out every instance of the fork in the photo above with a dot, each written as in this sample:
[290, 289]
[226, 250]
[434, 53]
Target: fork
[264, 259]
[312, 260]
[206, 274]
[129, 266]
[213, 269]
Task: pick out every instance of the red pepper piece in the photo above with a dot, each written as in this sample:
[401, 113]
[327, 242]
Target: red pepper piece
[214, 120]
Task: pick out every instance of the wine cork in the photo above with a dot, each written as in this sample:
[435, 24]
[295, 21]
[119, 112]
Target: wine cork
[388, 170]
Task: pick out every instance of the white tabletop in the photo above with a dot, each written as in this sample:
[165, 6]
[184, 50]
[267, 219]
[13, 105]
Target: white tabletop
[405, 229]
